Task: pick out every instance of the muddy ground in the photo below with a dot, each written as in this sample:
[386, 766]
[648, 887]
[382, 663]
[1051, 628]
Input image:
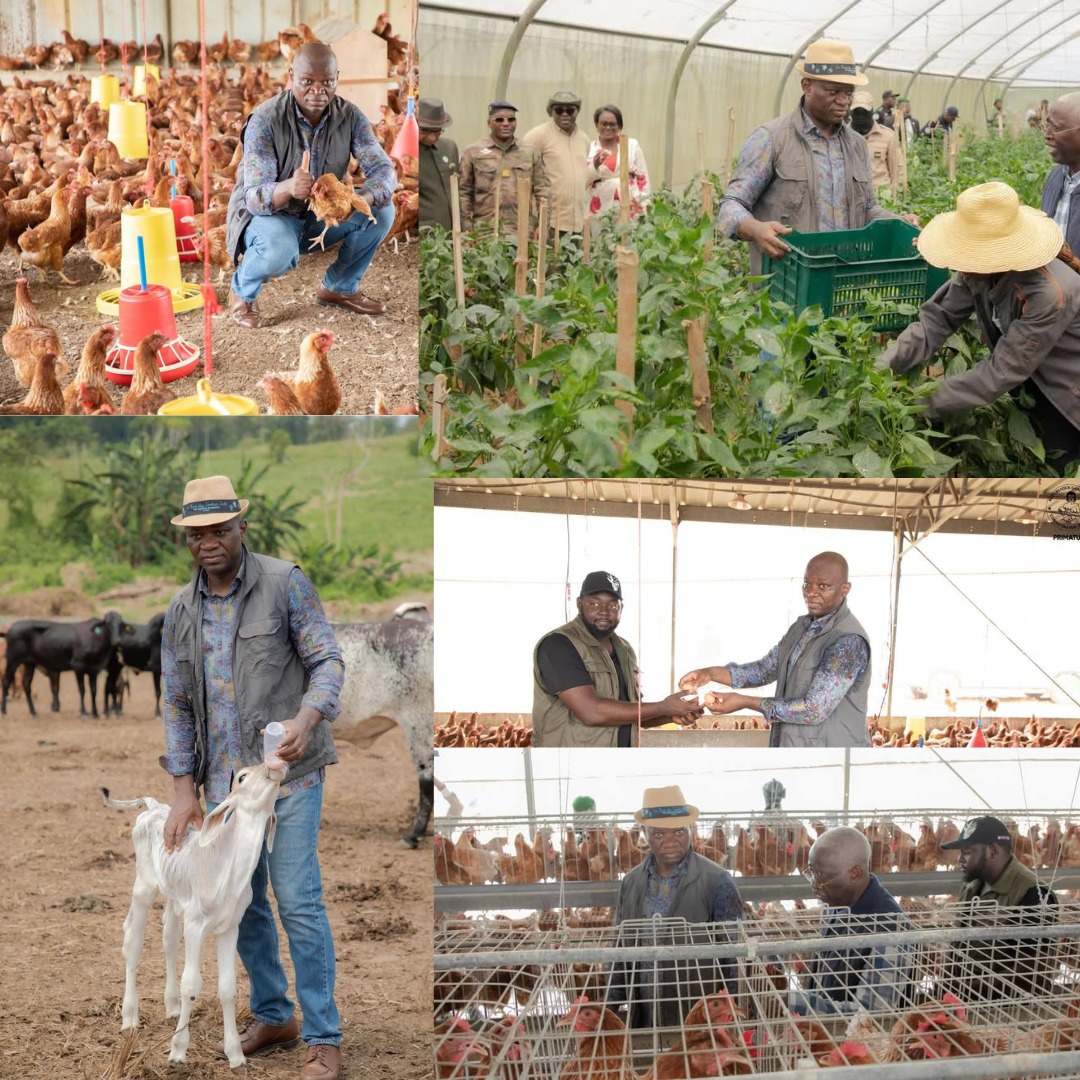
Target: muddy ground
[66, 869]
[369, 353]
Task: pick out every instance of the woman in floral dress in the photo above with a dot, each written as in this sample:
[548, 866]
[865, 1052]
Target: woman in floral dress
[602, 167]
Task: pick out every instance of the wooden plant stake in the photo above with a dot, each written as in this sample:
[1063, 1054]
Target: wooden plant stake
[699, 374]
[521, 263]
[707, 193]
[626, 262]
[730, 145]
[455, 221]
[585, 241]
[541, 270]
[624, 178]
[498, 203]
[439, 415]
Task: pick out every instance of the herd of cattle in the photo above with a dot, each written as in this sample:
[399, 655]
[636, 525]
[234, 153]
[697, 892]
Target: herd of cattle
[389, 676]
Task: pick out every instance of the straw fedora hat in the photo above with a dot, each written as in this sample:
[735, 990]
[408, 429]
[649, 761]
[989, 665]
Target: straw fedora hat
[665, 808]
[989, 232]
[831, 61]
[210, 501]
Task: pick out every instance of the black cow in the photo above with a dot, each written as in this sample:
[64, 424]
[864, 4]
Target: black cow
[83, 647]
[139, 648]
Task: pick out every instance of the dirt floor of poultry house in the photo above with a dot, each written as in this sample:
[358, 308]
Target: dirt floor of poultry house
[369, 354]
[66, 870]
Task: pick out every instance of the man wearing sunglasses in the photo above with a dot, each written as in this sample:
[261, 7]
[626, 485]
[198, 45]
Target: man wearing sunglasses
[1061, 133]
[563, 148]
[845, 979]
[999, 890]
[585, 678]
[821, 668]
[674, 882]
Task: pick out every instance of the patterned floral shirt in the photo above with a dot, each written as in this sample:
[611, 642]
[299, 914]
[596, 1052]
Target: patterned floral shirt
[313, 639]
[261, 164]
[841, 664]
[754, 172]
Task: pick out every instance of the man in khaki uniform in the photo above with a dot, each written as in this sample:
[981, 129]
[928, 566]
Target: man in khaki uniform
[585, 678]
[563, 149]
[886, 157]
[498, 163]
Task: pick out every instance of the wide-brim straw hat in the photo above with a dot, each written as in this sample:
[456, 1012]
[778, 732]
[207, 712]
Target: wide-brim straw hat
[665, 808]
[210, 501]
[990, 232]
[829, 60]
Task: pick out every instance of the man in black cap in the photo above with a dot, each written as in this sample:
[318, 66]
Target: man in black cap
[886, 115]
[999, 890]
[563, 148]
[497, 163]
[585, 678]
[942, 124]
[438, 161]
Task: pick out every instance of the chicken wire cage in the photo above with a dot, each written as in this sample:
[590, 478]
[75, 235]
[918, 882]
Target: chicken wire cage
[907, 995]
[592, 847]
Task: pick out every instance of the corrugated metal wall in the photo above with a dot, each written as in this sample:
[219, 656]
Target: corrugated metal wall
[25, 21]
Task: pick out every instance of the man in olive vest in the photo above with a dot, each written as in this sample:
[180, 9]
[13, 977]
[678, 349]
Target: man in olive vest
[821, 668]
[289, 142]
[999, 890]
[673, 882]
[806, 171]
[438, 162]
[244, 644]
[585, 678]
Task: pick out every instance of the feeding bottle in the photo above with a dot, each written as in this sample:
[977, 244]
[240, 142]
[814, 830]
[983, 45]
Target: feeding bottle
[273, 733]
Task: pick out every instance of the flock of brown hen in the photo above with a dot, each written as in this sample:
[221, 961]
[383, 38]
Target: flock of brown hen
[63, 183]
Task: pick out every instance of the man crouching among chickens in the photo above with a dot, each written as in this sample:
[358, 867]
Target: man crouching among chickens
[300, 140]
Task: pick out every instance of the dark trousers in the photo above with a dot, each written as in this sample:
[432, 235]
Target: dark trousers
[1060, 436]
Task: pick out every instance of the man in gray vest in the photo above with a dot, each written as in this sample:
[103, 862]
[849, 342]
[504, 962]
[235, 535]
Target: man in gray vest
[244, 644]
[821, 668]
[999, 890]
[585, 678]
[674, 882]
[289, 142]
[1061, 133]
[806, 171]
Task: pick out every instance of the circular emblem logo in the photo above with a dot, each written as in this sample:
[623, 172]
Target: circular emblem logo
[1063, 506]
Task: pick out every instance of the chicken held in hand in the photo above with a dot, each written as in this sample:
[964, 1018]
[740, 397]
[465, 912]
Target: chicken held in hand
[45, 397]
[28, 337]
[91, 372]
[148, 392]
[334, 201]
[314, 382]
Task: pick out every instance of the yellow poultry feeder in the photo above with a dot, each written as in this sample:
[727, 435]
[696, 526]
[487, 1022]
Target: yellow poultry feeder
[915, 728]
[156, 227]
[127, 129]
[138, 85]
[206, 403]
[104, 90]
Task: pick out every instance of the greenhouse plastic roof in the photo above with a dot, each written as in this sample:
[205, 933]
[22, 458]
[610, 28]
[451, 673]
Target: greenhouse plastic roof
[1027, 42]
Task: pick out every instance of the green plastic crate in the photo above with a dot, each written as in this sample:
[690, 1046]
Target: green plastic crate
[835, 270]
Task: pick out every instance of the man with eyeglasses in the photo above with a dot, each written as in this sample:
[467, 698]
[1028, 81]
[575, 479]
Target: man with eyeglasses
[806, 171]
[496, 164]
[846, 979]
[673, 882]
[821, 668]
[289, 141]
[585, 678]
[1061, 133]
[563, 148]
[999, 890]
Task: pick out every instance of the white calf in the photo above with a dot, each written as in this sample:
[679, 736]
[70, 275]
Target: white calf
[207, 883]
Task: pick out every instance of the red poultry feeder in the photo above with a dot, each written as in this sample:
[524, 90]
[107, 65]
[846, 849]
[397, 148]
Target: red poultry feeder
[143, 312]
[187, 242]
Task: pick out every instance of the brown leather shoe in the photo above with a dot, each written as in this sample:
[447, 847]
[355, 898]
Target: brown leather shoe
[245, 314]
[358, 302]
[259, 1038]
[322, 1063]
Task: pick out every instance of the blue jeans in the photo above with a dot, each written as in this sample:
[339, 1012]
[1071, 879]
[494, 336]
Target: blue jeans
[272, 245]
[293, 870]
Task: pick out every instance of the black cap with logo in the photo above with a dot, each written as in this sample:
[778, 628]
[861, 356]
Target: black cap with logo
[601, 581]
[980, 830]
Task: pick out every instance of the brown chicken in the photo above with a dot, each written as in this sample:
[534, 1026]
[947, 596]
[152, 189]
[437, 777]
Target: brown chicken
[744, 852]
[103, 246]
[810, 1039]
[946, 832]
[407, 216]
[848, 1053]
[93, 401]
[396, 49]
[510, 1048]
[283, 402]
[380, 409]
[35, 55]
[457, 1048]
[106, 52]
[925, 858]
[44, 245]
[314, 382]
[91, 371]
[629, 851]
[44, 397]
[239, 51]
[903, 848]
[602, 1050]
[147, 392]
[79, 49]
[291, 39]
[185, 53]
[28, 338]
[700, 1054]
[454, 867]
[524, 868]
[937, 1030]
[219, 52]
[333, 202]
[265, 51]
